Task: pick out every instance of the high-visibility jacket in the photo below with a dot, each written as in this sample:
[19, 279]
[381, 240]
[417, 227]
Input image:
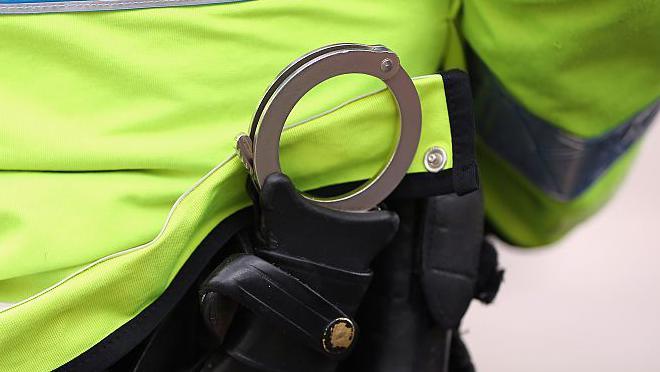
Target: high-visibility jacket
[118, 120]
[564, 92]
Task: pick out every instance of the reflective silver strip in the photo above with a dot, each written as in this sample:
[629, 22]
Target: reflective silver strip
[561, 164]
[101, 5]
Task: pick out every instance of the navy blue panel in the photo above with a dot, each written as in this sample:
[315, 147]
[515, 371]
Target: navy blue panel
[561, 164]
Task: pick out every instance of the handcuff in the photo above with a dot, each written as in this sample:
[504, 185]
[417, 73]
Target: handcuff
[259, 150]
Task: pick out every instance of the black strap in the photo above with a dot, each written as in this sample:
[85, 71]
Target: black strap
[490, 275]
[461, 119]
[450, 243]
[273, 294]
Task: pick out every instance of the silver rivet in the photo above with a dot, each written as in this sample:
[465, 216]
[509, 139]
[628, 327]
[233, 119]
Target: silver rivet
[386, 65]
[435, 159]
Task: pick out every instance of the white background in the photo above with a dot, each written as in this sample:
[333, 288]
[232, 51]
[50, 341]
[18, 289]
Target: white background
[590, 302]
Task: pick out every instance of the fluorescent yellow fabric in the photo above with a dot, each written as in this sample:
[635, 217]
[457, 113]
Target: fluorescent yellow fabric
[529, 217]
[585, 66]
[107, 117]
[67, 319]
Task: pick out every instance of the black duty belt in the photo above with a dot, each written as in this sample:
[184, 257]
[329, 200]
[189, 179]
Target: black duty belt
[289, 301]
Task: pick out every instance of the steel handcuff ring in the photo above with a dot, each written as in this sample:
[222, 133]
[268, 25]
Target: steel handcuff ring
[259, 150]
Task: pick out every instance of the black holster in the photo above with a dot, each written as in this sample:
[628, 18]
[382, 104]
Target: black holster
[308, 266]
[299, 285]
[400, 277]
